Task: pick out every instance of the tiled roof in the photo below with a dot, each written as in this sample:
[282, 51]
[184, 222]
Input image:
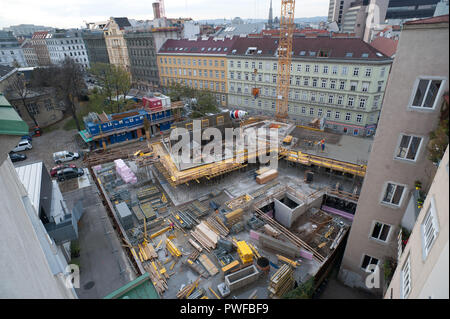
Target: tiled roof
[39, 35]
[438, 19]
[207, 46]
[304, 47]
[386, 46]
[122, 22]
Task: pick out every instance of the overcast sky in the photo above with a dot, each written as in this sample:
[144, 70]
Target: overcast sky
[73, 13]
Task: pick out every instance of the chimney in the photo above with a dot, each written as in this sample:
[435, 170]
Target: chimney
[156, 12]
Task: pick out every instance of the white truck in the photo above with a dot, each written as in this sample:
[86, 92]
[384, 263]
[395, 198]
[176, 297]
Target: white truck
[65, 156]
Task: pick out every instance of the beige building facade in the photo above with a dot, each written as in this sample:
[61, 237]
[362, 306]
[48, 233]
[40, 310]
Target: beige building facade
[423, 268]
[115, 42]
[399, 157]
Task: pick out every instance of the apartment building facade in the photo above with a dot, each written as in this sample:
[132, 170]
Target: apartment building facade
[199, 63]
[339, 80]
[142, 53]
[29, 53]
[39, 43]
[423, 268]
[399, 156]
[115, 42]
[64, 44]
[11, 53]
[95, 43]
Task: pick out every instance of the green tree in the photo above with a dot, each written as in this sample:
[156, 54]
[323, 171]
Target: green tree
[304, 291]
[18, 86]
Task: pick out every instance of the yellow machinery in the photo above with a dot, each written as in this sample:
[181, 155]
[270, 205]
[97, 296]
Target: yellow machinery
[244, 252]
[159, 232]
[235, 214]
[230, 266]
[287, 140]
[174, 251]
[284, 57]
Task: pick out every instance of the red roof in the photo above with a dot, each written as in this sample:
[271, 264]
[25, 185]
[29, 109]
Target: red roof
[39, 35]
[210, 45]
[386, 46]
[438, 19]
[306, 47]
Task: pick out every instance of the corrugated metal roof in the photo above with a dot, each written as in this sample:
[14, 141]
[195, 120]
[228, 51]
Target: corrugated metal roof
[31, 177]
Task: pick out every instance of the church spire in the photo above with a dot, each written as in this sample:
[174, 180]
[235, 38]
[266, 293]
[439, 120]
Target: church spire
[270, 15]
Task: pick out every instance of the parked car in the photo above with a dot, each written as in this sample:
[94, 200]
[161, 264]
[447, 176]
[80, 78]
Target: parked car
[65, 156]
[57, 168]
[68, 173]
[15, 157]
[27, 137]
[23, 146]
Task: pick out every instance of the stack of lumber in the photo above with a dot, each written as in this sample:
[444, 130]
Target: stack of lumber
[234, 216]
[196, 267]
[149, 192]
[159, 282]
[282, 281]
[147, 252]
[267, 176]
[187, 290]
[205, 236]
[195, 245]
[269, 230]
[193, 256]
[218, 228]
[208, 264]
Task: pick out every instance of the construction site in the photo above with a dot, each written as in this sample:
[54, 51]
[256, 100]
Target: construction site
[229, 228]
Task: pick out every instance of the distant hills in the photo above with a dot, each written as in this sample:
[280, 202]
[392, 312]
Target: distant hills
[297, 20]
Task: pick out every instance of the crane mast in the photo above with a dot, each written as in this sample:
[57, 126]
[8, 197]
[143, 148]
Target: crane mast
[284, 58]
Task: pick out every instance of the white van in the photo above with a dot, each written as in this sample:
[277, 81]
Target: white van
[65, 156]
[23, 146]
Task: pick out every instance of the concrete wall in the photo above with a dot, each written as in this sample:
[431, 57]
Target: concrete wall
[287, 216]
[242, 278]
[422, 51]
[24, 268]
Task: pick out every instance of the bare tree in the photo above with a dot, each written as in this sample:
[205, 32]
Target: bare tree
[18, 87]
[69, 83]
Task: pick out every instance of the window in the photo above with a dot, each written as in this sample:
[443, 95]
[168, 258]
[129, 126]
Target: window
[325, 69]
[359, 118]
[430, 229]
[299, 68]
[380, 86]
[393, 194]
[353, 86]
[328, 113]
[368, 72]
[334, 70]
[348, 116]
[275, 66]
[344, 70]
[406, 278]
[426, 93]
[330, 99]
[319, 112]
[342, 85]
[333, 84]
[306, 81]
[351, 101]
[340, 99]
[314, 83]
[337, 116]
[365, 86]
[231, 64]
[408, 147]
[383, 71]
[307, 68]
[368, 260]
[324, 83]
[355, 71]
[311, 111]
[380, 231]
[313, 96]
[362, 102]
[316, 68]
